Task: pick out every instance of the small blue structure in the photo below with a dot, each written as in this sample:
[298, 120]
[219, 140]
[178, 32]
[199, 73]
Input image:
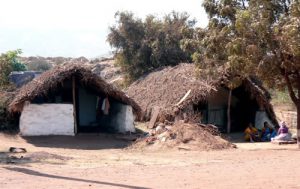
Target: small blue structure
[23, 77]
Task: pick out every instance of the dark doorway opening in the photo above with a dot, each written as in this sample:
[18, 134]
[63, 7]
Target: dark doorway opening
[92, 116]
[244, 111]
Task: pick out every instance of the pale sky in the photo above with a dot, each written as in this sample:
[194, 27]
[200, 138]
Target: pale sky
[75, 28]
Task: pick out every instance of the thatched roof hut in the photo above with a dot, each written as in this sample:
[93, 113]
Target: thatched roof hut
[177, 89]
[55, 77]
[70, 99]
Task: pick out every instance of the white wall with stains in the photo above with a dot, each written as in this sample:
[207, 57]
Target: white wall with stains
[47, 119]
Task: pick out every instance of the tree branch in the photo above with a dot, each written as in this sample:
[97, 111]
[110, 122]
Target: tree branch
[289, 86]
[286, 9]
[243, 4]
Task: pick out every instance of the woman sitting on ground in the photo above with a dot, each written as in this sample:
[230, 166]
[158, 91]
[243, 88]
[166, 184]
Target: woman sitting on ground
[266, 132]
[283, 133]
[251, 133]
[274, 132]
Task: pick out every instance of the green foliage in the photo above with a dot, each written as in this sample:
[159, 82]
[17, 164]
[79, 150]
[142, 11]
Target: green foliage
[256, 37]
[144, 45]
[9, 62]
[18, 66]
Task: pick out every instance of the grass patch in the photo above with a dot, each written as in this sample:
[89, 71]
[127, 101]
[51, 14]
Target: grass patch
[282, 99]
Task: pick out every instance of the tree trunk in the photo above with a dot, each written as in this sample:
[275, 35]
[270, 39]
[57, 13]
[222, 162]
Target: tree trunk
[295, 99]
[74, 104]
[228, 111]
[298, 124]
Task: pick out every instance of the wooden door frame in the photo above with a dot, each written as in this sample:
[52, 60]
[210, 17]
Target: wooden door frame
[74, 93]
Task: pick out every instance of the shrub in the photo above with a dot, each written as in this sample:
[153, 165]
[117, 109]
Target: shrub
[8, 122]
[9, 62]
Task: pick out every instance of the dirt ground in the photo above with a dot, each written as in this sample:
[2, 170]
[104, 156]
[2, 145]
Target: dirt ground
[101, 161]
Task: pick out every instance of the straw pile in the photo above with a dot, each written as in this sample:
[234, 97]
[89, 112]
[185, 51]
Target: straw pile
[184, 136]
[166, 87]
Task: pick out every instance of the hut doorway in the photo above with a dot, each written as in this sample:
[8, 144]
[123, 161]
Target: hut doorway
[96, 112]
[243, 109]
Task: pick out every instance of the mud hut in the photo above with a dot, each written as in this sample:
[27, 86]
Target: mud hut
[71, 99]
[179, 94]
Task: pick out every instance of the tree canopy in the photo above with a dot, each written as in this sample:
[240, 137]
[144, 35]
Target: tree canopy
[9, 62]
[144, 45]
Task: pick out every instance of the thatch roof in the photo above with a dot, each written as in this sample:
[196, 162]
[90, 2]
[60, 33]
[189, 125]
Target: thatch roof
[166, 87]
[54, 78]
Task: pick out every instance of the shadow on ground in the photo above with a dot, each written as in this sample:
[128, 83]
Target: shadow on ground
[10, 158]
[83, 142]
[237, 137]
[40, 174]
[34, 157]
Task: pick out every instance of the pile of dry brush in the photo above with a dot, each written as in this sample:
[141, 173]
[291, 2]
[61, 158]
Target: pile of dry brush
[8, 122]
[187, 136]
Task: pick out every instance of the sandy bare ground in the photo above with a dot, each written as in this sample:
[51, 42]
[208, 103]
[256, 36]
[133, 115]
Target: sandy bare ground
[102, 162]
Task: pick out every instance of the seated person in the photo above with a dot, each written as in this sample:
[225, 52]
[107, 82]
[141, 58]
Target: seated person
[283, 133]
[266, 132]
[251, 133]
[274, 132]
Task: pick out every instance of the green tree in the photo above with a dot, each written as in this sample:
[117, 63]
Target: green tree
[256, 37]
[144, 45]
[9, 62]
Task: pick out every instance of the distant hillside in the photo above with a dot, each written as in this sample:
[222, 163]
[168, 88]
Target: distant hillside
[52, 60]
[103, 67]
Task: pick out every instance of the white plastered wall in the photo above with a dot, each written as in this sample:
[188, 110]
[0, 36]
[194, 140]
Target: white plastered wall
[125, 119]
[47, 119]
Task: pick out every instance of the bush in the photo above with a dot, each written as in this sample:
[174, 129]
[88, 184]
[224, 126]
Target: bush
[9, 62]
[8, 122]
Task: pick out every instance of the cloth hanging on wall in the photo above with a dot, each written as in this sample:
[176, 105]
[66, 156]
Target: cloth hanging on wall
[98, 107]
[105, 106]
